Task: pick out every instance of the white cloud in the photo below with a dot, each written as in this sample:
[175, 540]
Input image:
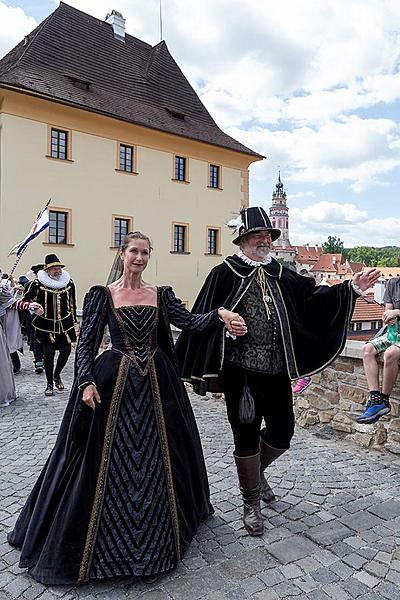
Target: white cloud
[353, 150]
[14, 25]
[351, 224]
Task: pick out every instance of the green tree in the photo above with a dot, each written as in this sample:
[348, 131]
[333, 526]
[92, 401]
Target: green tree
[333, 245]
[364, 254]
[375, 257]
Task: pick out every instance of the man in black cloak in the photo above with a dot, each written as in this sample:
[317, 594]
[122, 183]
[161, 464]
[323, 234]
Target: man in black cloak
[295, 328]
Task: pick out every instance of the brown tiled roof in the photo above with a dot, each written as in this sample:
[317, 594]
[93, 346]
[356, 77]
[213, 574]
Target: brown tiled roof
[350, 267]
[73, 58]
[389, 272]
[326, 263]
[367, 311]
[308, 254]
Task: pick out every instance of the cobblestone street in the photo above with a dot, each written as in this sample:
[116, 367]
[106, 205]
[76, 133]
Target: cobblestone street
[333, 532]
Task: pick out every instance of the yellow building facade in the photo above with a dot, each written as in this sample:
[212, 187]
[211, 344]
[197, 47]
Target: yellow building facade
[74, 156]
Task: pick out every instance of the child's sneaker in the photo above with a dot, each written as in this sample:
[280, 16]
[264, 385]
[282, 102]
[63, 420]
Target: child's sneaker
[301, 385]
[375, 408]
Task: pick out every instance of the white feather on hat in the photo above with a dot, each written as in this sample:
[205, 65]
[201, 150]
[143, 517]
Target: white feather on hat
[236, 223]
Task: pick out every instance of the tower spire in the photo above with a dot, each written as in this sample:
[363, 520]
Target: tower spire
[279, 212]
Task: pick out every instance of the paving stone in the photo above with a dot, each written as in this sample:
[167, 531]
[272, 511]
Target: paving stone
[291, 571]
[269, 594]
[354, 587]
[328, 533]
[272, 577]
[361, 521]
[292, 549]
[324, 576]
[386, 510]
[336, 592]
[355, 560]
[366, 578]
[388, 590]
[394, 577]
[317, 595]
[376, 568]
[287, 590]
[253, 584]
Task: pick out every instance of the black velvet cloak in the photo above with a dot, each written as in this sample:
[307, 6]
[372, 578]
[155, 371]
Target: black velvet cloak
[313, 321]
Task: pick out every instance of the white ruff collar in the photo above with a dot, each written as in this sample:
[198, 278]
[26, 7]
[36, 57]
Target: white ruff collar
[55, 284]
[254, 263]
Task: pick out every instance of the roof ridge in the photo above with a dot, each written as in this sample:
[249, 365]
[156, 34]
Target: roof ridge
[99, 20]
[35, 33]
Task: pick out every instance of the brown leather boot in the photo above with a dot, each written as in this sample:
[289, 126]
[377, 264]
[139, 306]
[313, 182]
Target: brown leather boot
[267, 456]
[248, 468]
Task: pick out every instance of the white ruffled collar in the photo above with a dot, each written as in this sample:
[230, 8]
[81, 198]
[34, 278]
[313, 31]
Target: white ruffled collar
[55, 284]
[254, 263]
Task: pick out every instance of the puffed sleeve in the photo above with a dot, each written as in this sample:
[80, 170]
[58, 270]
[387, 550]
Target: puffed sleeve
[94, 318]
[31, 290]
[180, 317]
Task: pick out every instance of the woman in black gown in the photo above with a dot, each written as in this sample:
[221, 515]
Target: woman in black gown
[125, 486]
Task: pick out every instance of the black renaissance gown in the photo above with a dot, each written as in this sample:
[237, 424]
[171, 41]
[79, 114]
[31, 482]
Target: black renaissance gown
[125, 486]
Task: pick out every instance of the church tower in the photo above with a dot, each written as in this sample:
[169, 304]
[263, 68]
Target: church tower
[279, 213]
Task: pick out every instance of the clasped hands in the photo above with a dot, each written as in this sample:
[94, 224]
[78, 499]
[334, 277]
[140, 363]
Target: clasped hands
[234, 323]
[37, 308]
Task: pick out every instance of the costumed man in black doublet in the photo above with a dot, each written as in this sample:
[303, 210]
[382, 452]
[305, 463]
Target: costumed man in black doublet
[55, 329]
[295, 328]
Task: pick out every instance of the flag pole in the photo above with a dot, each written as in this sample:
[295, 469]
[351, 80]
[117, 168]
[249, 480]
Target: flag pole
[16, 263]
[23, 250]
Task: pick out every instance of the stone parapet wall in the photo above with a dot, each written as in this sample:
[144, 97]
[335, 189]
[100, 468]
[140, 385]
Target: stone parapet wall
[338, 395]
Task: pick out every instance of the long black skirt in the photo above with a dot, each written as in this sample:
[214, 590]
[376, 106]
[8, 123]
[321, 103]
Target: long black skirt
[125, 486]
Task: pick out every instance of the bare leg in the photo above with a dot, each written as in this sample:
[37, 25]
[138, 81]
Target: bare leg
[371, 367]
[391, 359]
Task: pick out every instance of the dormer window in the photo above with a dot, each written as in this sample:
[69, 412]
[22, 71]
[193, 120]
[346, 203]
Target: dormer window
[175, 113]
[78, 82]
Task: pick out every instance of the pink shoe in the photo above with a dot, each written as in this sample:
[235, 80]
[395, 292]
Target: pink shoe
[301, 385]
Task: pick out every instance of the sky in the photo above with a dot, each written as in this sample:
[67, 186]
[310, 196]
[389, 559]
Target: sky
[312, 85]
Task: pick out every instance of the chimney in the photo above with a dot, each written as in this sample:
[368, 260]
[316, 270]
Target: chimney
[118, 24]
[334, 260]
[379, 290]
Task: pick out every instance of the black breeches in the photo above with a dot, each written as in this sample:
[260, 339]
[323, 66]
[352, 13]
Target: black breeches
[273, 402]
[49, 351]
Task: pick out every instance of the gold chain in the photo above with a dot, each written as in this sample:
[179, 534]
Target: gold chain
[262, 282]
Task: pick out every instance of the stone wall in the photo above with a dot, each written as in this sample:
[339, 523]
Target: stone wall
[337, 396]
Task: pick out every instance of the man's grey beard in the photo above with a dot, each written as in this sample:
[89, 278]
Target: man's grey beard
[56, 277]
[262, 252]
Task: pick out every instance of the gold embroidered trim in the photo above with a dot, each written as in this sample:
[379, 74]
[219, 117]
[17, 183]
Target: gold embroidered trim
[166, 456]
[94, 521]
[131, 349]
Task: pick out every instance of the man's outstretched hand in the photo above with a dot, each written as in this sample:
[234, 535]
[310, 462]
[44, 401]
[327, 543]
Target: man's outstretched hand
[366, 279]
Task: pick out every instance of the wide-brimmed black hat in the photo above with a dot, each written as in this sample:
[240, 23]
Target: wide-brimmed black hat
[36, 268]
[51, 260]
[250, 220]
[23, 280]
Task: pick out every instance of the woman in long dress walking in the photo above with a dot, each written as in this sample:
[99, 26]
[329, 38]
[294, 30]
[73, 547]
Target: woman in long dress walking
[125, 486]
